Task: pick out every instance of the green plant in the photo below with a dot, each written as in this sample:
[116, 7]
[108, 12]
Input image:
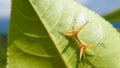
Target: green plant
[3, 50]
[35, 39]
[113, 17]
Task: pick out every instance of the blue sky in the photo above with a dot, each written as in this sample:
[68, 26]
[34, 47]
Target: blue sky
[99, 6]
[4, 8]
[4, 15]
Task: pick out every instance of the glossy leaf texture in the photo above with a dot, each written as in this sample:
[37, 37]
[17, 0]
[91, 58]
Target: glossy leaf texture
[36, 36]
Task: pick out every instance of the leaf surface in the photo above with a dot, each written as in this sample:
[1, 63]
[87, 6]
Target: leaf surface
[36, 36]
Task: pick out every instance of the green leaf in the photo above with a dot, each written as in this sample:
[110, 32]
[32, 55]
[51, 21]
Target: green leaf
[36, 37]
[20, 59]
[113, 16]
[29, 43]
[3, 48]
[118, 30]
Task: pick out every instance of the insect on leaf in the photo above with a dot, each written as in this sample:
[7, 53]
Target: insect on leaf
[35, 39]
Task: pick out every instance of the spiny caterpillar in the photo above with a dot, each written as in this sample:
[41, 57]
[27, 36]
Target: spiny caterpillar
[74, 35]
